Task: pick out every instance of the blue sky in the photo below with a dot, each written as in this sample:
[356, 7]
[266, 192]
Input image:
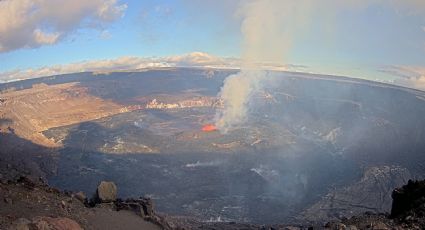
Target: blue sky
[354, 41]
[146, 29]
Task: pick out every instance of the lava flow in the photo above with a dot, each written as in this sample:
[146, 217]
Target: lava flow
[209, 128]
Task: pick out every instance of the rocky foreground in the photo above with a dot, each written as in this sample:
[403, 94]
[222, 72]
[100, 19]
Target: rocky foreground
[28, 204]
[32, 204]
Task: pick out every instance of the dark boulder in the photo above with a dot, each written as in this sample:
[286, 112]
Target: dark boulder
[409, 200]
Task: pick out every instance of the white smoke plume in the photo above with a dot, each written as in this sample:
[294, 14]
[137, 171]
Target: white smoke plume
[269, 27]
[266, 38]
[236, 94]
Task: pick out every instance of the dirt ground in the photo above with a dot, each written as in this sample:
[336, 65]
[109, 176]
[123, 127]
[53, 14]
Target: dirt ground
[23, 203]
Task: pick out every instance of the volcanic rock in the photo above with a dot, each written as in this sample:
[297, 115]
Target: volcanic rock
[106, 192]
[47, 223]
[335, 226]
[22, 224]
[142, 206]
[36, 206]
[409, 200]
[60, 223]
[380, 226]
[7, 200]
[81, 196]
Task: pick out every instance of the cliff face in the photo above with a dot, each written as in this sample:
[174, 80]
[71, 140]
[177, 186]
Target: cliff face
[29, 112]
[407, 211]
[190, 103]
[409, 201]
[40, 108]
[372, 193]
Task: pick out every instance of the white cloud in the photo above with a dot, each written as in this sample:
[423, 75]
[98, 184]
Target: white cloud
[105, 35]
[195, 59]
[109, 10]
[33, 23]
[45, 38]
[408, 76]
[413, 82]
[121, 63]
[201, 59]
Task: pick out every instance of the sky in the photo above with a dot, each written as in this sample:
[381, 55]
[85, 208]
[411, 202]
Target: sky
[382, 40]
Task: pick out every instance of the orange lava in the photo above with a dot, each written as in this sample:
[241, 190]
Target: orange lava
[209, 128]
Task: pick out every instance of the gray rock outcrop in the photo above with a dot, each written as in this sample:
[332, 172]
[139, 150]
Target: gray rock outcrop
[106, 192]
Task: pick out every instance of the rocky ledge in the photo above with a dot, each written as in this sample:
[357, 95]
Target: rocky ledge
[32, 204]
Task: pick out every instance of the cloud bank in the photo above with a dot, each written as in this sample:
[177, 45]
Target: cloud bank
[408, 76]
[128, 63]
[34, 23]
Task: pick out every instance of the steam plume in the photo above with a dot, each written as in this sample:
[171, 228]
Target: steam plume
[266, 38]
[268, 28]
[236, 94]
